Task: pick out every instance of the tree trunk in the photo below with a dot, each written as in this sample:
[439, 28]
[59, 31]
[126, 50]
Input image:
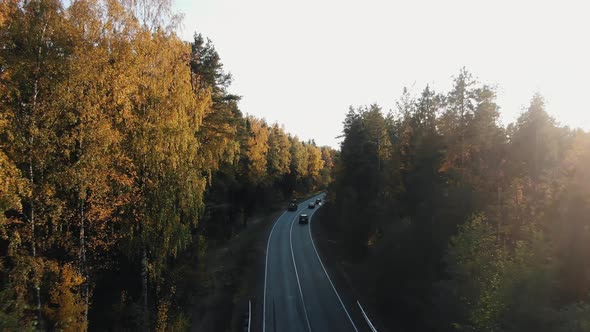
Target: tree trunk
[144, 289]
[83, 267]
[32, 178]
[32, 205]
[33, 242]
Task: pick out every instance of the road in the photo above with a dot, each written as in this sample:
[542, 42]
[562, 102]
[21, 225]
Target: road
[298, 294]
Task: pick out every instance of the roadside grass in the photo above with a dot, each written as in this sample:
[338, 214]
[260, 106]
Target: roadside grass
[228, 277]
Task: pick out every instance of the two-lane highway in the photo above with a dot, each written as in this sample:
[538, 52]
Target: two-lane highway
[298, 294]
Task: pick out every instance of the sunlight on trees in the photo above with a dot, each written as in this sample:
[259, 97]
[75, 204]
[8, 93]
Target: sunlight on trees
[118, 143]
[466, 225]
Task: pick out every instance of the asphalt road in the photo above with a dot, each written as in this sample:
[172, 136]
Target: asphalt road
[298, 294]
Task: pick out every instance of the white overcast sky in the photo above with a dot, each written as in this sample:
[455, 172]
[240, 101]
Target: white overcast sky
[302, 63]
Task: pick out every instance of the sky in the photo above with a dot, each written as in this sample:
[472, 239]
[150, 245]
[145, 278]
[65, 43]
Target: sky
[303, 63]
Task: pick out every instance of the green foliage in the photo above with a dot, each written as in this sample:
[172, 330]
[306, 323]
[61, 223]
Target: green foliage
[13, 309]
[477, 263]
[466, 225]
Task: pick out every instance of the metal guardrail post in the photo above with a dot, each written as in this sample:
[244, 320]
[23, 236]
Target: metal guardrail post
[249, 314]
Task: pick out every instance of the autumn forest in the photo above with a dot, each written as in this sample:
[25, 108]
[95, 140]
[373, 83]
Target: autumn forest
[121, 150]
[125, 160]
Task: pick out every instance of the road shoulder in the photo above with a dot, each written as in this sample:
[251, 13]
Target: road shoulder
[344, 274]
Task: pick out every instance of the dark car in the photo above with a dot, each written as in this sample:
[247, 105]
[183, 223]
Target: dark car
[311, 205]
[293, 207]
[303, 219]
[318, 201]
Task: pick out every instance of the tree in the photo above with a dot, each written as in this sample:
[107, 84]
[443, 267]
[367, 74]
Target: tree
[218, 132]
[34, 51]
[457, 117]
[257, 150]
[299, 158]
[328, 156]
[534, 140]
[115, 136]
[314, 161]
[12, 186]
[279, 158]
[568, 223]
[91, 147]
[160, 141]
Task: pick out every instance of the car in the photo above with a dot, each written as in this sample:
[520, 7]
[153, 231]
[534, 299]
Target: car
[311, 205]
[303, 219]
[293, 207]
[318, 201]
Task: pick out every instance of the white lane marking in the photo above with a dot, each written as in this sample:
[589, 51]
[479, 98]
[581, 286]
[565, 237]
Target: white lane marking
[295, 265]
[327, 275]
[373, 329]
[266, 265]
[266, 273]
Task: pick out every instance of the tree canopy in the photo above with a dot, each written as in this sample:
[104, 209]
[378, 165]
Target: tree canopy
[466, 225]
[121, 149]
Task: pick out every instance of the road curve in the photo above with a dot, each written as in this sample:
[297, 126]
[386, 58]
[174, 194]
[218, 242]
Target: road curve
[298, 294]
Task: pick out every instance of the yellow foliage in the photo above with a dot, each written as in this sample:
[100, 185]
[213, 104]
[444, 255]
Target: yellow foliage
[257, 149]
[162, 322]
[314, 161]
[65, 308]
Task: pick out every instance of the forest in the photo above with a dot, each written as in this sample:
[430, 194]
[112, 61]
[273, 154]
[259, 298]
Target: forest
[466, 224]
[123, 155]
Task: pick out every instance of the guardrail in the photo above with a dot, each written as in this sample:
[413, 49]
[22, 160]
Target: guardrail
[373, 329]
